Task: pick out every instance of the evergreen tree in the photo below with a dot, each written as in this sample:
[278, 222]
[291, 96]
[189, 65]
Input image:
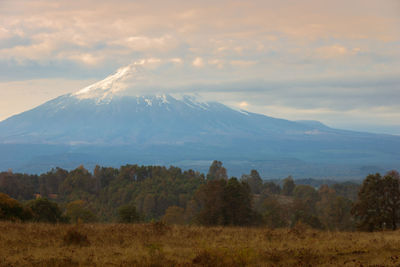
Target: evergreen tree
[237, 203]
[378, 202]
[391, 199]
[225, 203]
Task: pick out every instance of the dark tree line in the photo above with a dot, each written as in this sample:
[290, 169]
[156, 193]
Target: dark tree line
[134, 193]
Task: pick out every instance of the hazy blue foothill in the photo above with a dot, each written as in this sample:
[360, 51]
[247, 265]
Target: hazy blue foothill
[101, 126]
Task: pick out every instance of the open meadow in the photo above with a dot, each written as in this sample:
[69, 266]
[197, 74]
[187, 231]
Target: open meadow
[155, 244]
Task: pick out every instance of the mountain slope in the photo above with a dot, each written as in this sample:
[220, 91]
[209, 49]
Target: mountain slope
[142, 119]
[109, 112]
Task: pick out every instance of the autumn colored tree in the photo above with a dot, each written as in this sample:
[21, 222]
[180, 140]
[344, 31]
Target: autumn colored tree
[334, 211]
[301, 212]
[12, 210]
[49, 183]
[217, 171]
[288, 186]
[174, 215]
[77, 211]
[271, 188]
[105, 175]
[254, 181]
[191, 211]
[78, 184]
[17, 185]
[308, 195]
[211, 202]
[153, 189]
[304, 206]
[149, 205]
[274, 213]
[347, 190]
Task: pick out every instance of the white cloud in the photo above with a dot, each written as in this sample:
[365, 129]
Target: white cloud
[4, 33]
[143, 43]
[198, 62]
[217, 62]
[243, 63]
[85, 58]
[176, 60]
[332, 51]
[243, 104]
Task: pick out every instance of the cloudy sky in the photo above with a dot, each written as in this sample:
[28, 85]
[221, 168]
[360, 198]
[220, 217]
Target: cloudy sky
[333, 61]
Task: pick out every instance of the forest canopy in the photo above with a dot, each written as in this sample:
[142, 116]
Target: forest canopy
[134, 193]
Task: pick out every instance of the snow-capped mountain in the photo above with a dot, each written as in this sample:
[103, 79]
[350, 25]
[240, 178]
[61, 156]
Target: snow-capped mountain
[125, 118]
[126, 81]
[112, 111]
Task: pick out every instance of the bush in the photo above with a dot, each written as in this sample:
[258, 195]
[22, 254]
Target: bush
[128, 214]
[76, 211]
[12, 210]
[215, 258]
[45, 211]
[159, 228]
[174, 215]
[75, 237]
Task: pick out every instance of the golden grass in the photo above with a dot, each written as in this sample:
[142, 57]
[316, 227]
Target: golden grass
[159, 245]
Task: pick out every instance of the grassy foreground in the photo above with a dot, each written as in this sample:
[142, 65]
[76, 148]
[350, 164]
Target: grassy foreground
[159, 245]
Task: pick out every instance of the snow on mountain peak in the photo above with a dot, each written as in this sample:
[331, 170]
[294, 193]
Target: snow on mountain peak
[125, 78]
[134, 80]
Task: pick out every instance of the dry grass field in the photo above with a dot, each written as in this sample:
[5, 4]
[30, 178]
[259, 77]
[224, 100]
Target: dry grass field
[159, 245]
